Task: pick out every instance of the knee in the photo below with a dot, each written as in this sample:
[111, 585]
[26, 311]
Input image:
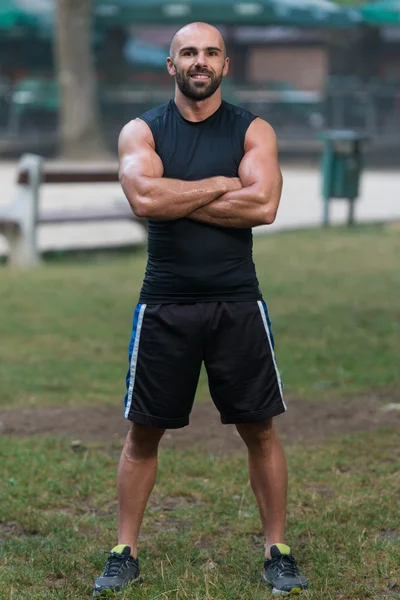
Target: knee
[142, 441]
[261, 434]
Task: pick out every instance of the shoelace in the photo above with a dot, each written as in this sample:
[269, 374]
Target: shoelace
[114, 563]
[288, 565]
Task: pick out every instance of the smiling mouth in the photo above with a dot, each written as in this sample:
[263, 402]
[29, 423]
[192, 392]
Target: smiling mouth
[200, 76]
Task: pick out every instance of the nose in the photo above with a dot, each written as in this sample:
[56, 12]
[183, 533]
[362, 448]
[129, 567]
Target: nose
[201, 60]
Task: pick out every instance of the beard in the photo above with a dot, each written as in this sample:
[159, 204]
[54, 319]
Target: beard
[199, 90]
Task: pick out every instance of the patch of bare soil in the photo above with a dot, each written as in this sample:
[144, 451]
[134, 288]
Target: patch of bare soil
[303, 422]
[12, 529]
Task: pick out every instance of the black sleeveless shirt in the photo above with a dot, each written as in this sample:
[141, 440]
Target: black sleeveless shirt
[190, 261]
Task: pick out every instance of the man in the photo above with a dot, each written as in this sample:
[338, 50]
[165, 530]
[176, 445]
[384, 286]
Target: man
[203, 172]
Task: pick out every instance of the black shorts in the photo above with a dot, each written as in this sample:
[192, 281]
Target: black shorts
[168, 346]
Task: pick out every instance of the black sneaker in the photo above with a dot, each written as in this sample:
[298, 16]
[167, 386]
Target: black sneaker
[120, 570]
[282, 573]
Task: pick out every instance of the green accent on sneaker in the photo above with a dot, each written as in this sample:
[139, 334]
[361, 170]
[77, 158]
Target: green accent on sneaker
[119, 549]
[283, 549]
[120, 571]
[282, 572]
[293, 592]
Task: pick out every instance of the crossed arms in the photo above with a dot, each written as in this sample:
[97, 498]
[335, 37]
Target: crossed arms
[249, 200]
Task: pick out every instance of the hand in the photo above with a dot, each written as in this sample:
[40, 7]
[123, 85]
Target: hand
[234, 184]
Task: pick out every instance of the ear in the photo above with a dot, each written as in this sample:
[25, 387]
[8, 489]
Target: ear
[171, 67]
[226, 67]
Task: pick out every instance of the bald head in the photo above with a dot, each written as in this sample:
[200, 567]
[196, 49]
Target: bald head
[186, 34]
[197, 60]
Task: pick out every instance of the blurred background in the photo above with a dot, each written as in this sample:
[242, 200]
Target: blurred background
[304, 65]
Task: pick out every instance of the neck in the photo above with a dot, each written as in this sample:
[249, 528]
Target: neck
[193, 110]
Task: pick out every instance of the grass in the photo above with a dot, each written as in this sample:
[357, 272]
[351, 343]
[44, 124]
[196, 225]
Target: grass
[332, 295]
[201, 536]
[333, 298]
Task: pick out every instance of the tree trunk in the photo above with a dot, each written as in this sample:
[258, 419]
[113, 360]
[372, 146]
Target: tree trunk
[79, 125]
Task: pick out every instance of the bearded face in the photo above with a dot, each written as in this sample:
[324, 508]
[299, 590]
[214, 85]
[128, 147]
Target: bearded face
[198, 61]
[197, 82]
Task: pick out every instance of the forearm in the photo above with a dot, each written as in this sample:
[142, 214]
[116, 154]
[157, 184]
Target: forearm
[240, 209]
[167, 199]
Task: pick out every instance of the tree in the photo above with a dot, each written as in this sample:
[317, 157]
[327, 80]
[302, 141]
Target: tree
[80, 132]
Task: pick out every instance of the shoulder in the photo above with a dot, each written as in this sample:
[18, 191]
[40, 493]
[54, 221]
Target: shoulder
[260, 132]
[133, 133]
[261, 127]
[152, 123]
[256, 130]
[155, 114]
[239, 113]
[144, 125]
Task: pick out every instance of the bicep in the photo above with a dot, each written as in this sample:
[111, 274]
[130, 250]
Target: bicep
[260, 165]
[137, 156]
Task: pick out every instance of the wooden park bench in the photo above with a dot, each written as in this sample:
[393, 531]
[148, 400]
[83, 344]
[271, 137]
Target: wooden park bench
[19, 219]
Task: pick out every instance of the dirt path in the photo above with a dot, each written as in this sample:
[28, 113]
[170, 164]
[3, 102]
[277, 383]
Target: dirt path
[305, 421]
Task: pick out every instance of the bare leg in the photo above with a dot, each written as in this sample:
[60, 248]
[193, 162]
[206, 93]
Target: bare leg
[136, 478]
[268, 477]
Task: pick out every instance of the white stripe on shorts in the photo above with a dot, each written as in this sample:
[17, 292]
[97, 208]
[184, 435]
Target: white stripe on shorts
[134, 358]
[264, 318]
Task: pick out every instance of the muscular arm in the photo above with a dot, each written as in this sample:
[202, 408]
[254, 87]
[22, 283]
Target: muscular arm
[258, 200]
[148, 192]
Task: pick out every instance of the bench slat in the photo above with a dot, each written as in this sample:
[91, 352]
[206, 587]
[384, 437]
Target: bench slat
[54, 217]
[74, 174]
[79, 216]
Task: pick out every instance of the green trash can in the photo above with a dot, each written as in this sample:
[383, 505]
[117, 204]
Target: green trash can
[341, 169]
